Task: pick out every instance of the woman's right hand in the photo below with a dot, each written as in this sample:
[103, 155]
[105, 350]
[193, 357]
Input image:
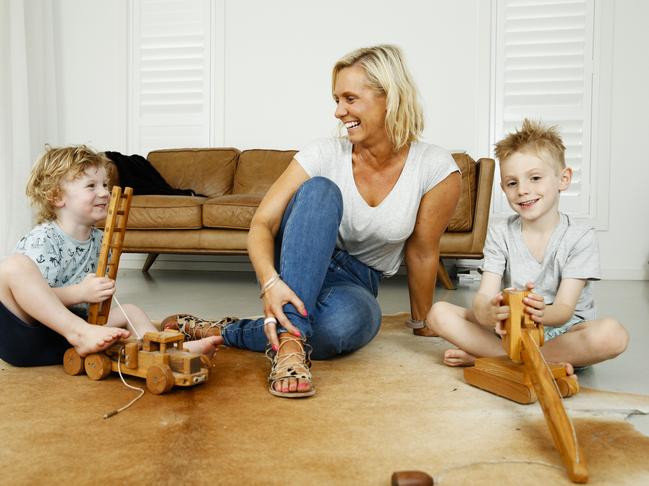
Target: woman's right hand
[275, 298]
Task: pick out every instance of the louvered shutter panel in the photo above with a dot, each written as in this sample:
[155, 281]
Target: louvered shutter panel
[170, 75]
[544, 70]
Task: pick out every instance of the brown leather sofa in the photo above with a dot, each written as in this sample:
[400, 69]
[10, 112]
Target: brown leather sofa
[233, 182]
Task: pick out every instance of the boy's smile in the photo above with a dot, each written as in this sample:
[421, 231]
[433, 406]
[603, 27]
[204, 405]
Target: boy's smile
[533, 185]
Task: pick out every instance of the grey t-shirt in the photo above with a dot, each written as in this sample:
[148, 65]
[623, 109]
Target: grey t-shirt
[61, 259]
[377, 235]
[572, 252]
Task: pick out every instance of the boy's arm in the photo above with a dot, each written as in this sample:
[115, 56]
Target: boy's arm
[486, 302]
[563, 308]
[90, 289]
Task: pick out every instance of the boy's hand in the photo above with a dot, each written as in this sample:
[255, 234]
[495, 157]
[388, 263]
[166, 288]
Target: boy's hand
[492, 313]
[96, 289]
[534, 304]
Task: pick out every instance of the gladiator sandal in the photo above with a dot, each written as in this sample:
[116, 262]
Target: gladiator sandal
[287, 366]
[194, 327]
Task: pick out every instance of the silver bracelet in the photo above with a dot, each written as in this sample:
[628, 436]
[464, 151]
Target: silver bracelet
[415, 324]
[269, 283]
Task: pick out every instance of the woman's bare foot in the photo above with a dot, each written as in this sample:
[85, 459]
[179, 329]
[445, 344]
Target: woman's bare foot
[206, 346]
[90, 338]
[457, 357]
[291, 355]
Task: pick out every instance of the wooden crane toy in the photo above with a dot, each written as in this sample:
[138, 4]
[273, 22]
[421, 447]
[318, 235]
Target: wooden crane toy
[524, 376]
[159, 357]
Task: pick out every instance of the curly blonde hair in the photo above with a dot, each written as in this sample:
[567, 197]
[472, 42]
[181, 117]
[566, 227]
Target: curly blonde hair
[56, 166]
[387, 74]
[533, 136]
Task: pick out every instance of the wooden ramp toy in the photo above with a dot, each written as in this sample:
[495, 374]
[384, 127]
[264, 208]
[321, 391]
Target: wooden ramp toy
[159, 357]
[524, 376]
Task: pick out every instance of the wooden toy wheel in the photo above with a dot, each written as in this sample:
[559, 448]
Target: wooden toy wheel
[159, 379]
[73, 364]
[98, 366]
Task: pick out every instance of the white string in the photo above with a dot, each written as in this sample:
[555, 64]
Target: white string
[141, 390]
[126, 315]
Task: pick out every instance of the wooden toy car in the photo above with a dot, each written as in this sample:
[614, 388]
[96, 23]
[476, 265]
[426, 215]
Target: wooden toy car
[159, 358]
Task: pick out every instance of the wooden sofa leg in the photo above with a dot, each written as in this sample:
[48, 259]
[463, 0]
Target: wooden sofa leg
[149, 261]
[443, 276]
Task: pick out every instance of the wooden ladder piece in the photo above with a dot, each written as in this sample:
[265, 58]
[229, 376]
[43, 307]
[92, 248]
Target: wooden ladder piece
[524, 376]
[111, 248]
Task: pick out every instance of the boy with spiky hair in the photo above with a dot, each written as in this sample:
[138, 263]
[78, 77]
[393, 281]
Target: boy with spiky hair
[45, 286]
[539, 249]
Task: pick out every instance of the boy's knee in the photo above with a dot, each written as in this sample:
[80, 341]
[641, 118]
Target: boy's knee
[438, 315]
[616, 336]
[16, 264]
[613, 338]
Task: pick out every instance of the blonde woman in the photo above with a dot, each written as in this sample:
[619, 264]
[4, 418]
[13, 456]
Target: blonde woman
[341, 217]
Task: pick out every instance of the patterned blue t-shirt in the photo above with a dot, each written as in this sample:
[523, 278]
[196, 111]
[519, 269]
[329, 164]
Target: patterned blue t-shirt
[61, 259]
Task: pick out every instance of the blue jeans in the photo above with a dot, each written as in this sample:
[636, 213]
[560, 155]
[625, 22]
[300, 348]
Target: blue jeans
[338, 291]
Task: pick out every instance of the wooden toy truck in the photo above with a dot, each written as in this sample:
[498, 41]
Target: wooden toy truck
[159, 358]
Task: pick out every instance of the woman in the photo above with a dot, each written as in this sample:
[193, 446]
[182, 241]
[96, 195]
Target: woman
[340, 218]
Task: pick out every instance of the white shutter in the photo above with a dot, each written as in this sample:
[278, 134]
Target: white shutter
[170, 95]
[544, 70]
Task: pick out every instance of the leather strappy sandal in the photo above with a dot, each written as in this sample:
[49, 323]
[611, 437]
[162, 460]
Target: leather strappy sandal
[286, 366]
[194, 327]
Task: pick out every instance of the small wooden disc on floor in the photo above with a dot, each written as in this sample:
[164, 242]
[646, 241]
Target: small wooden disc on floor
[411, 478]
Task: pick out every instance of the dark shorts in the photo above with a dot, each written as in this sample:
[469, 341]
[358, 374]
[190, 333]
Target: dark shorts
[23, 344]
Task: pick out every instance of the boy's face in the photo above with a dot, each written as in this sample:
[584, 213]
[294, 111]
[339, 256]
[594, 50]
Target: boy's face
[532, 185]
[84, 200]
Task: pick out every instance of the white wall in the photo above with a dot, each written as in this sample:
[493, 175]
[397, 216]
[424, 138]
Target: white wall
[625, 246]
[277, 60]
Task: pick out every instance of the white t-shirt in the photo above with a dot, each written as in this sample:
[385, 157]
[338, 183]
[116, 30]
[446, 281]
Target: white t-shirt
[572, 252]
[377, 235]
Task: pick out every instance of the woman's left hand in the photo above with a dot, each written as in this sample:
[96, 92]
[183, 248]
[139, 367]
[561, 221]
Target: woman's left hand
[274, 300]
[534, 304]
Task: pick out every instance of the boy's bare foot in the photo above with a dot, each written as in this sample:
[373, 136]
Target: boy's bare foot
[291, 354]
[92, 339]
[206, 346]
[457, 357]
[570, 370]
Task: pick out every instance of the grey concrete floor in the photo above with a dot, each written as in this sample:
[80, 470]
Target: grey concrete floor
[214, 294]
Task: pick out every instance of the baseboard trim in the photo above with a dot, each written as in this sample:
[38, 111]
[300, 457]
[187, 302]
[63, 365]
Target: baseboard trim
[241, 263]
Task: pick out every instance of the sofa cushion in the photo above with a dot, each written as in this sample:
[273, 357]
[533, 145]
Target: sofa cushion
[206, 171]
[166, 212]
[233, 211]
[462, 219]
[258, 169]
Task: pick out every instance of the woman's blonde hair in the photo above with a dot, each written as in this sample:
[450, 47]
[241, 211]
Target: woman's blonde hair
[388, 75]
[54, 167]
[533, 136]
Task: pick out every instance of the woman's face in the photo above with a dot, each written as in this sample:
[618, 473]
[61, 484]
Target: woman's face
[360, 108]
